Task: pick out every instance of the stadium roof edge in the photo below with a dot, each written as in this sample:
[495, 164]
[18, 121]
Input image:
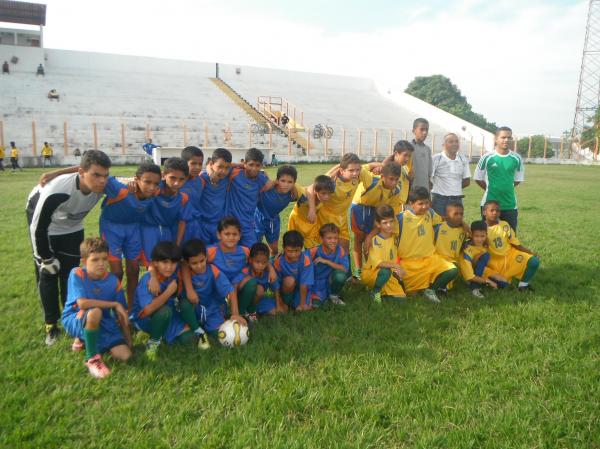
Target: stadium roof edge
[22, 12]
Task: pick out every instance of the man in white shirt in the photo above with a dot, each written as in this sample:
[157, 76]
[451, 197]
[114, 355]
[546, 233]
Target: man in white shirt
[450, 174]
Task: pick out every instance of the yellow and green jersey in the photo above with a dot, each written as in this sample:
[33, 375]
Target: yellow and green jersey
[382, 250]
[449, 241]
[340, 200]
[501, 237]
[416, 234]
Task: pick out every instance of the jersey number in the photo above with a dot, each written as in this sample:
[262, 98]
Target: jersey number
[421, 230]
[498, 242]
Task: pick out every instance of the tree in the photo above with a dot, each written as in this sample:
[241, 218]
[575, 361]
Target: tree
[537, 147]
[589, 134]
[439, 91]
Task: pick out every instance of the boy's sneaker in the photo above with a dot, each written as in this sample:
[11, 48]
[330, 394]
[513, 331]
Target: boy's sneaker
[430, 295]
[336, 300]
[525, 289]
[477, 293]
[97, 368]
[78, 345]
[52, 334]
[203, 342]
[442, 292]
[376, 297]
[355, 274]
[152, 350]
[251, 318]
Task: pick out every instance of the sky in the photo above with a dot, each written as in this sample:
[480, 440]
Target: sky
[516, 61]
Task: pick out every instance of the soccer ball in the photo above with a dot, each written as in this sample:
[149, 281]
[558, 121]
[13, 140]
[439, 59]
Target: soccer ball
[232, 334]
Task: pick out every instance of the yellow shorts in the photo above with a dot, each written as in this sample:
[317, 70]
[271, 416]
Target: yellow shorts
[341, 221]
[512, 265]
[391, 288]
[310, 231]
[421, 272]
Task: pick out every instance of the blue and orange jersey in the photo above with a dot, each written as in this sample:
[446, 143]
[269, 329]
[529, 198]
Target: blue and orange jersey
[143, 297]
[169, 210]
[301, 270]
[230, 263]
[213, 202]
[243, 194]
[323, 271]
[120, 206]
[262, 279]
[212, 286]
[80, 286]
[193, 188]
[271, 203]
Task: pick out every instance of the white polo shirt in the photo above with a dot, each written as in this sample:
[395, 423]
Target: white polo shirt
[447, 174]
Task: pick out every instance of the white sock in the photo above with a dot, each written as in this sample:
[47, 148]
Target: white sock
[199, 331]
[523, 284]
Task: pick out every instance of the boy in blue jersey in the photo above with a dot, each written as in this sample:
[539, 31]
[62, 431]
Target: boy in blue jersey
[260, 272]
[271, 202]
[295, 272]
[95, 311]
[122, 212]
[193, 187]
[208, 287]
[214, 197]
[170, 210]
[162, 315]
[244, 188]
[330, 267]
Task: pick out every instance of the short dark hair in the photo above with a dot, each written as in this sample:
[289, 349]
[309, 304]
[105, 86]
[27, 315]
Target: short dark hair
[347, 159]
[259, 248]
[190, 151]
[488, 202]
[193, 248]
[502, 128]
[176, 164]
[287, 170]
[391, 169]
[229, 221]
[92, 245]
[456, 204]
[93, 157]
[420, 121]
[166, 251]
[147, 167]
[254, 154]
[479, 225]
[328, 228]
[221, 153]
[324, 183]
[402, 146]
[417, 194]
[293, 239]
[384, 212]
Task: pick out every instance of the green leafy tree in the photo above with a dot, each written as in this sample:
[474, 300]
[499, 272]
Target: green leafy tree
[588, 136]
[439, 91]
[537, 147]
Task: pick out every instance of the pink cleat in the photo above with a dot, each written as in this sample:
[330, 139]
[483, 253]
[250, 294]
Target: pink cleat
[97, 368]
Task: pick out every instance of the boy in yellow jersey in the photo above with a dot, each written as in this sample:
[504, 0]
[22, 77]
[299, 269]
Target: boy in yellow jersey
[14, 157]
[2, 155]
[507, 256]
[46, 155]
[321, 190]
[383, 190]
[450, 235]
[382, 272]
[474, 259]
[425, 270]
[403, 155]
[348, 175]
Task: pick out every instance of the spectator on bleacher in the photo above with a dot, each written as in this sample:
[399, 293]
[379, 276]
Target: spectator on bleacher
[77, 152]
[5, 68]
[449, 175]
[284, 119]
[53, 95]
[47, 154]
[149, 147]
[40, 71]
[421, 159]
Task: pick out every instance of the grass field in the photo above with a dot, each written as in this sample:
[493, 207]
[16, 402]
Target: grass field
[510, 371]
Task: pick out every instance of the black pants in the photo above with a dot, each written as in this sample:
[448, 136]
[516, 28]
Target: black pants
[15, 163]
[66, 250]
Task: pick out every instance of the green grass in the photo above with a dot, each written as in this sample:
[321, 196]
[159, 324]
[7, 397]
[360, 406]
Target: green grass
[511, 371]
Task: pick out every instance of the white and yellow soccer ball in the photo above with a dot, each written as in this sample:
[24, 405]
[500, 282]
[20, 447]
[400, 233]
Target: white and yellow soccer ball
[232, 334]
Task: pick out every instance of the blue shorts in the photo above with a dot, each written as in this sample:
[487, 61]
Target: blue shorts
[362, 218]
[192, 230]
[320, 289]
[248, 236]
[124, 240]
[266, 227]
[208, 233]
[176, 326]
[110, 334]
[151, 235]
[211, 317]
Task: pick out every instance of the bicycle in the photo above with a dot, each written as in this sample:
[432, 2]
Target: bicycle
[321, 130]
[259, 128]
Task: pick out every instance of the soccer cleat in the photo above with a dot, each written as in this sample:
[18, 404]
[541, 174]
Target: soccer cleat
[97, 368]
[526, 289]
[376, 297]
[442, 292]
[356, 274]
[336, 300]
[78, 345]
[251, 318]
[152, 350]
[52, 334]
[203, 342]
[477, 293]
[430, 295]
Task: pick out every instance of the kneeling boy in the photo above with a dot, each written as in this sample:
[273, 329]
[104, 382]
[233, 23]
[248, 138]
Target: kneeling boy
[295, 272]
